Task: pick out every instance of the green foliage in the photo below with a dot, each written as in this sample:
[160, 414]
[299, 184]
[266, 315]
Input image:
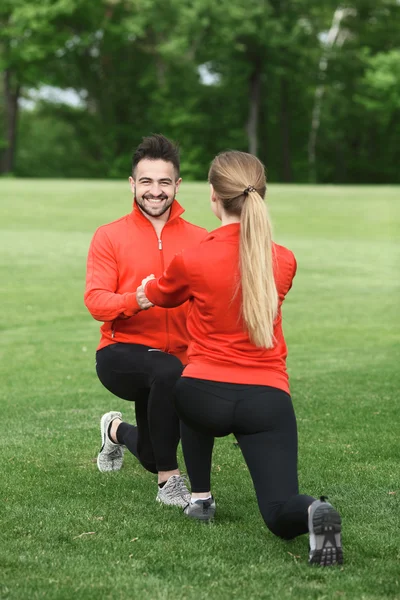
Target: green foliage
[135, 63]
[49, 143]
[30, 34]
[381, 85]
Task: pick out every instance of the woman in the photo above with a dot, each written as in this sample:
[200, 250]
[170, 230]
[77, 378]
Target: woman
[236, 380]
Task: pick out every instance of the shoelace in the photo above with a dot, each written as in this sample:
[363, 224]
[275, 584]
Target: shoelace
[115, 453]
[183, 484]
[172, 487]
[177, 485]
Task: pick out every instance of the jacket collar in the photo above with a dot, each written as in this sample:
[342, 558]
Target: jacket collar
[138, 216]
[224, 232]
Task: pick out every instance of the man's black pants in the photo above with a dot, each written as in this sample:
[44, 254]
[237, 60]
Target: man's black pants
[146, 377]
[263, 421]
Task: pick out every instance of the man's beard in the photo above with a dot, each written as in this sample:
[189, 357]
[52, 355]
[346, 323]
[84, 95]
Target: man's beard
[141, 203]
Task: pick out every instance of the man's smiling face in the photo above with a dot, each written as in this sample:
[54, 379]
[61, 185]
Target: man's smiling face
[154, 186]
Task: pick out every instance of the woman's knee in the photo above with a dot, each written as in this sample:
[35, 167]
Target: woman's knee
[281, 532]
[271, 516]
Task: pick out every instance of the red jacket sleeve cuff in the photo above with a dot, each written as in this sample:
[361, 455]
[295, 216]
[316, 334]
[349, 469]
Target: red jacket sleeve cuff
[131, 305]
[148, 290]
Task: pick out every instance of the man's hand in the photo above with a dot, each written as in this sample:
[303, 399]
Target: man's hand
[140, 295]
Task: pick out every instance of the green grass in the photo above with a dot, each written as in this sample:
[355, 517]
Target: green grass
[341, 323]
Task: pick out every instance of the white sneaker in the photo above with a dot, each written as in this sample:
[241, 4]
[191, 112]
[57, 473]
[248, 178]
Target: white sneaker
[174, 492]
[111, 455]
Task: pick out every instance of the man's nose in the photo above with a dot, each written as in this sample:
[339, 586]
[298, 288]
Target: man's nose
[155, 189]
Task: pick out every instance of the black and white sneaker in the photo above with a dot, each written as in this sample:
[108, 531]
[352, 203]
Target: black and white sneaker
[174, 492]
[111, 456]
[203, 510]
[324, 525]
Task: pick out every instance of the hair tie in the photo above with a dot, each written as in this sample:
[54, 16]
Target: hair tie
[249, 189]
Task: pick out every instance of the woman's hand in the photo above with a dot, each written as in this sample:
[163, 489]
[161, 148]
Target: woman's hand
[144, 304]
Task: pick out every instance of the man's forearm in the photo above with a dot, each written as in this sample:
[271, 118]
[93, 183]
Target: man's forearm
[108, 306]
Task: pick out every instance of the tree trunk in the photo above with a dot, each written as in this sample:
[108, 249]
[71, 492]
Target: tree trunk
[11, 94]
[333, 38]
[254, 109]
[285, 131]
[312, 140]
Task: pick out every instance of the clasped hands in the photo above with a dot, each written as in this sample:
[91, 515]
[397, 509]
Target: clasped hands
[144, 304]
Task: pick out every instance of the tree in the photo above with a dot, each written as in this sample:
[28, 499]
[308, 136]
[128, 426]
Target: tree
[137, 66]
[259, 49]
[334, 37]
[352, 144]
[29, 35]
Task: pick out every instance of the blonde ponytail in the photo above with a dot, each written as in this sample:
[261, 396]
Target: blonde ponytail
[239, 181]
[260, 298]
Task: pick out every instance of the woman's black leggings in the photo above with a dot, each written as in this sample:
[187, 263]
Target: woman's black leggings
[146, 377]
[263, 421]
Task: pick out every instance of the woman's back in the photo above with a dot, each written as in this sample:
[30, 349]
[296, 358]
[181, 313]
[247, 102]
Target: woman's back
[220, 348]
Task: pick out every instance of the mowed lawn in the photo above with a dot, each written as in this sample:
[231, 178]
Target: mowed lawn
[68, 531]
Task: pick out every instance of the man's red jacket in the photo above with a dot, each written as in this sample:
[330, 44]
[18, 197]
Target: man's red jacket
[121, 254]
[220, 348]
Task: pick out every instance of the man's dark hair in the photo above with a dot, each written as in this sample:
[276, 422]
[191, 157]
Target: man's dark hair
[157, 147]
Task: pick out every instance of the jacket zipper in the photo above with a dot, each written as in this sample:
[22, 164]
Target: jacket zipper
[160, 247]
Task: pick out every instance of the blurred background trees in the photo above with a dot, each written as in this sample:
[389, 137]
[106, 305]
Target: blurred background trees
[312, 88]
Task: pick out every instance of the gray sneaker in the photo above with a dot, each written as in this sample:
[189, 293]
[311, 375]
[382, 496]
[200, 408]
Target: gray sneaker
[204, 510]
[174, 492]
[111, 455]
[324, 525]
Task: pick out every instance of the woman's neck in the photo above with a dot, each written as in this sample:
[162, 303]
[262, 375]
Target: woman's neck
[228, 219]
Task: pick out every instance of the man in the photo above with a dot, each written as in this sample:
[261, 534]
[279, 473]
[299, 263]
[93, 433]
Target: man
[141, 353]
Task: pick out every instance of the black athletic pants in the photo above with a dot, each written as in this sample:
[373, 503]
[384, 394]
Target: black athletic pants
[147, 377]
[263, 421]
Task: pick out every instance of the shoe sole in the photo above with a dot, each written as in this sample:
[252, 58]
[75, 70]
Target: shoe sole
[167, 504]
[205, 519]
[103, 430]
[326, 525]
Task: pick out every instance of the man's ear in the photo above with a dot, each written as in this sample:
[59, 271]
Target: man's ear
[132, 183]
[177, 184]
